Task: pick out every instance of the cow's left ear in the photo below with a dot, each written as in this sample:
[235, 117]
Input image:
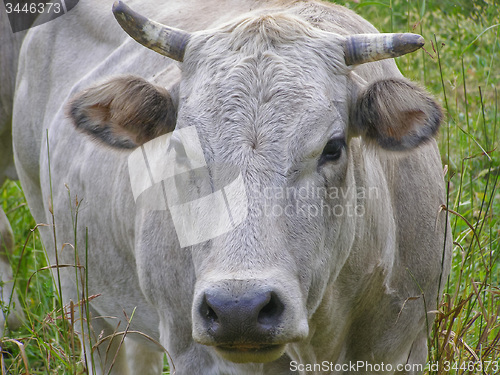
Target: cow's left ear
[395, 113]
[124, 112]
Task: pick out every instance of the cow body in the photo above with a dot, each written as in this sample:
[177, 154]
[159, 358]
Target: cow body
[265, 94]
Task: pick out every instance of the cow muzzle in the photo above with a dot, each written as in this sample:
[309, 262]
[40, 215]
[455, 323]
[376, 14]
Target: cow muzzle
[247, 320]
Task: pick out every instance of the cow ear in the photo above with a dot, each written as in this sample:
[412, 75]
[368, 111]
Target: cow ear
[395, 113]
[124, 112]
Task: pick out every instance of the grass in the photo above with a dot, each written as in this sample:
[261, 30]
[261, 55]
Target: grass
[41, 345]
[461, 66]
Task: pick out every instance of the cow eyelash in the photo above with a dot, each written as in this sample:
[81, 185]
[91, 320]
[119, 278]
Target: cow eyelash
[332, 151]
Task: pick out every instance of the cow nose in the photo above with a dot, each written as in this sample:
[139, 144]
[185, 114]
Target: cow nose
[249, 318]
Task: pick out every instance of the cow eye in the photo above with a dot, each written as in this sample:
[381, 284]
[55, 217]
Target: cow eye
[332, 150]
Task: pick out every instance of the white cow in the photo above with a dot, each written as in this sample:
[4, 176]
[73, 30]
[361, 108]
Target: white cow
[9, 51]
[291, 221]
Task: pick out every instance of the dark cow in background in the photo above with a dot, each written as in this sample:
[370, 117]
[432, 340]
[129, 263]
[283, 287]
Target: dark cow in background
[300, 221]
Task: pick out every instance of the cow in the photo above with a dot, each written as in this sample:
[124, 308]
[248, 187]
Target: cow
[296, 223]
[9, 52]
[11, 313]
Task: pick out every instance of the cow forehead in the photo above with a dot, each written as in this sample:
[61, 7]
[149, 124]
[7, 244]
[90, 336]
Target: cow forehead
[263, 43]
[264, 84]
[266, 107]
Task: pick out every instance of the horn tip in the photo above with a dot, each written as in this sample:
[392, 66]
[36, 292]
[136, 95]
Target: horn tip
[413, 39]
[419, 40]
[407, 43]
[119, 7]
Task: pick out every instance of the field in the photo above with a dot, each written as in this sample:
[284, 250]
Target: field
[460, 65]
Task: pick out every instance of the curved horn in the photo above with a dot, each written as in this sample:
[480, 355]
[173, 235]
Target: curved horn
[363, 48]
[165, 40]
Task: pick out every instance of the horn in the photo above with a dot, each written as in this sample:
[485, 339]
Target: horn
[165, 40]
[363, 48]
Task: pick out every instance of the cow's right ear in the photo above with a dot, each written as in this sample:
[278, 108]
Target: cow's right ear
[124, 112]
[395, 113]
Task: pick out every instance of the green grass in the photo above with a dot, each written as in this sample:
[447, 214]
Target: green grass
[41, 343]
[461, 67]
[46, 344]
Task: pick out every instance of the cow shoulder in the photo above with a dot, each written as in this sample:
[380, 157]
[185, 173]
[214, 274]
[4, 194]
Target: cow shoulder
[396, 114]
[123, 112]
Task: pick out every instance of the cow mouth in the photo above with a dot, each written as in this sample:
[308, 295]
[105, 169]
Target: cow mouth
[251, 353]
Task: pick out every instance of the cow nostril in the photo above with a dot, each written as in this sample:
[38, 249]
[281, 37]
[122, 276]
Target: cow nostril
[270, 312]
[251, 315]
[208, 312]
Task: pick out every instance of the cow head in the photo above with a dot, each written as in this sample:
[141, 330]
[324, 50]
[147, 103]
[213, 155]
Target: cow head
[277, 103]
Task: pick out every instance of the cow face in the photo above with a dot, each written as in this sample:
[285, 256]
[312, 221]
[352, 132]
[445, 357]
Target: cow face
[273, 112]
[275, 107]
